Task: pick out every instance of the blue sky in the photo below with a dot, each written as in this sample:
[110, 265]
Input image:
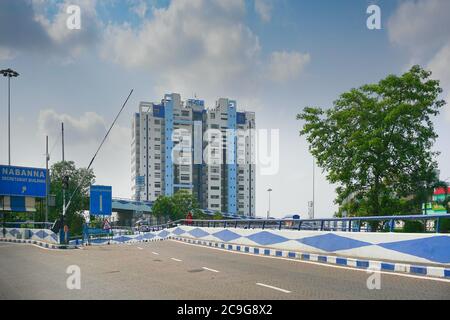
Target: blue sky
[273, 57]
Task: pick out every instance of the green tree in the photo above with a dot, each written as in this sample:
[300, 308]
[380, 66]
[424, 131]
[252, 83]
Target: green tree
[80, 200]
[375, 142]
[183, 202]
[163, 207]
[217, 216]
[176, 207]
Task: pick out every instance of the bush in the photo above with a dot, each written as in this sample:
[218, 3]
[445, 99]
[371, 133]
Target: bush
[444, 226]
[413, 227]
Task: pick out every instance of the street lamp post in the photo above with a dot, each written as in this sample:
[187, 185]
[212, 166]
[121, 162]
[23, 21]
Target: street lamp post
[268, 211]
[9, 73]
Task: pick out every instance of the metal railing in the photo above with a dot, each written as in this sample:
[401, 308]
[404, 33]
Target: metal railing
[28, 224]
[350, 224]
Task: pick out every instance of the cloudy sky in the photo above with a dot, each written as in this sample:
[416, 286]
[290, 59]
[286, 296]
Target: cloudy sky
[273, 56]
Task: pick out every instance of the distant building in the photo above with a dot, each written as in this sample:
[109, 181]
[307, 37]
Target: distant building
[212, 153]
[437, 207]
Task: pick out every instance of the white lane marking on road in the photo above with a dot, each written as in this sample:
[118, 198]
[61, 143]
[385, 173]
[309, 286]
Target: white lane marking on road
[318, 263]
[272, 287]
[175, 259]
[140, 248]
[212, 270]
[155, 253]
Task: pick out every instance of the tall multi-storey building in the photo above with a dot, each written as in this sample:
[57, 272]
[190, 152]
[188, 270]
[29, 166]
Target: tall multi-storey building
[209, 152]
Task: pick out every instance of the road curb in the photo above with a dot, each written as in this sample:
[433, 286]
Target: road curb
[38, 243]
[114, 242]
[372, 265]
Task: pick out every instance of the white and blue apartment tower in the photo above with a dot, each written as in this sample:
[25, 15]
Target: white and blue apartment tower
[214, 157]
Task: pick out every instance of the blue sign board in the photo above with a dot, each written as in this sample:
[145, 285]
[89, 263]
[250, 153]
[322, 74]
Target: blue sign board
[100, 200]
[22, 181]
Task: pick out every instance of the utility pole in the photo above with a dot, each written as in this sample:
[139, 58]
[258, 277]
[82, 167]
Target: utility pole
[62, 139]
[47, 158]
[268, 211]
[64, 173]
[9, 73]
[64, 180]
[313, 189]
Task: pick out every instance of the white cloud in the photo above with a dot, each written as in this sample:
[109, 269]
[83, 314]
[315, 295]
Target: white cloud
[72, 41]
[422, 27]
[83, 135]
[285, 66]
[139, 7]
[440, 66]
[79, 130]
[44, 33]
[264, 10]
[200, 45]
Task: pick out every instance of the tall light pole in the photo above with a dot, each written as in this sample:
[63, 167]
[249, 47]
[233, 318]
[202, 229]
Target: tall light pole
[47, 159]
[268, 211]
[313, 189]
[9, 73]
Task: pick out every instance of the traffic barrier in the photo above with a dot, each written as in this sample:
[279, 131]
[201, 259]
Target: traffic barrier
[410, 248]
[369, 265]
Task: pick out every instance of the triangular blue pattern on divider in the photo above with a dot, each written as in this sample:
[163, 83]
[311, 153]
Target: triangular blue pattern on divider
[226, 235]
[436, 249]
[149, 235]
[41, 234]
[163, 234]
[122, 239]
[100, 240]
[178, 231]
[139, 237]
[330, 242]
[14, 232]
[198, 233]
[266, 238]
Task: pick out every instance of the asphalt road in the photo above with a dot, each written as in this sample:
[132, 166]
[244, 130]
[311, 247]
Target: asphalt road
[174, 270]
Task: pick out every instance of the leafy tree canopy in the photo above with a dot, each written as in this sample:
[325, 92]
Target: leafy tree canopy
[376, 141]
[80, 200]
[177, 206]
